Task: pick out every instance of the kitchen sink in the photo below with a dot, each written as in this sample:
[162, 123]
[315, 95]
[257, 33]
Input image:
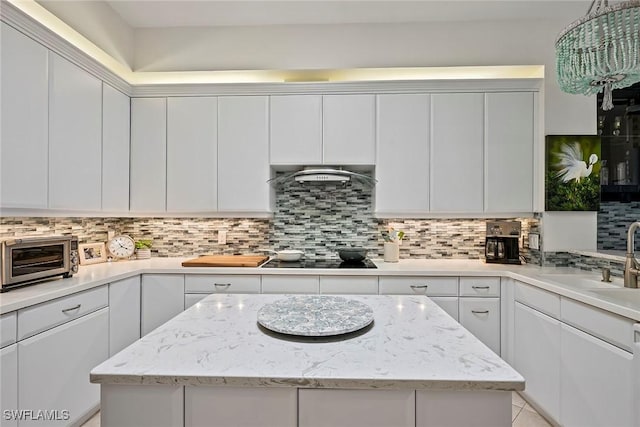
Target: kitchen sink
[627, 296]
[582, 281]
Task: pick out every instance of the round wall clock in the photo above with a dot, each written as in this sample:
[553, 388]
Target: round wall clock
[121, 246]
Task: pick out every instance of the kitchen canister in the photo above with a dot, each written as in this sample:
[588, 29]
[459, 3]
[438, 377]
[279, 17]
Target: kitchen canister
[391, 252]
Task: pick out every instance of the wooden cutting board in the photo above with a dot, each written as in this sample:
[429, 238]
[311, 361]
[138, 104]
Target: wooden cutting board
[226, 261]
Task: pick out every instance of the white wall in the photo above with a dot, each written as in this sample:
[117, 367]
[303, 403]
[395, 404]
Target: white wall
[99, 23]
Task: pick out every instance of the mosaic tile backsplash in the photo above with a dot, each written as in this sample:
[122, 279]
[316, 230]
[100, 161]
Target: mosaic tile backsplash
[316, 218]
[614, 219]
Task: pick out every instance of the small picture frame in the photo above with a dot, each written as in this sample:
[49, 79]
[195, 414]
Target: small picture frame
[92, 253]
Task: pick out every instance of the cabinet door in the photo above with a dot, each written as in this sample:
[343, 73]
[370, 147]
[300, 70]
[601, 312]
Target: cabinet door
[148, 154]
[509, 152]
[296, 130]
[9, 384]
[162, 298]
[481, 316]
[243, 154]
[192, 151]
[457, 150]
[364, 285]
[75, 137]
[536, 355]
[116, 113]
[124, 307]
[54, 366]
[349, 130]
[596, 388]
[24, 141]
[448, 304]
[402, 162]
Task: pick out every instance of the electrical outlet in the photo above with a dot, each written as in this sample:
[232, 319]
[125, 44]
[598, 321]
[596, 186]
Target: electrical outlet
[222, 237]
[534, 241]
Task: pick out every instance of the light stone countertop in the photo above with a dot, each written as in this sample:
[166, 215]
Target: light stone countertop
[412, 344]
[92, 276]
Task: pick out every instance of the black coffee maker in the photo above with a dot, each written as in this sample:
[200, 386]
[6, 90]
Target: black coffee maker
[502, 242]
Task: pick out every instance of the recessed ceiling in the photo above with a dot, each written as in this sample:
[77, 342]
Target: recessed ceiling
[187, 13]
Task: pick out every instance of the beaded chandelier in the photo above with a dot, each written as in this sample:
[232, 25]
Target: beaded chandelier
[600, 50]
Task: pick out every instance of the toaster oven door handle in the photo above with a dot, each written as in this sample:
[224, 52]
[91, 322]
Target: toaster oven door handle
[66, 310]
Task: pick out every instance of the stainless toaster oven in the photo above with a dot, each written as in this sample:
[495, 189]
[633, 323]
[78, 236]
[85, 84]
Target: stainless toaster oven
[28, 260]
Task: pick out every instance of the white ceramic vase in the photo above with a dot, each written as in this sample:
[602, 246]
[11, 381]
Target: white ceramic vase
[143, 253]
[391, 252]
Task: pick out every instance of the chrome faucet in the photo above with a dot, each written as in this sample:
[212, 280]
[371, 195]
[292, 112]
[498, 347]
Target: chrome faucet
[631, 265]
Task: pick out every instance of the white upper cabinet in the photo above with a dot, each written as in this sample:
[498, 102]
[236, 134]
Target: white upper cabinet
[402, 166]
[148, 154]
[243, 154]
[116, 109]
[24, 112]
[349, 130]
[509, 152]
[192, 154]
[75, 137]
[457, 149]
[296, 130]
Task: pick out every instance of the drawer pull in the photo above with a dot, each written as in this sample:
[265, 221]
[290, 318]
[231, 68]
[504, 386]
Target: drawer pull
[480, 287]
[416, 287]
[480, 311]
[222, 285]
[66, 310]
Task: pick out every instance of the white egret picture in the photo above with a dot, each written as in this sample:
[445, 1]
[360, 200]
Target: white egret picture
[572, 179]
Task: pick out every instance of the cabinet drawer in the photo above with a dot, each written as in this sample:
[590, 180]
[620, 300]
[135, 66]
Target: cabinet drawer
[220, 284]
[290, 284]
[422, 285]
[480, 286]
[33, 320]
[610, 327]
[8, 329]
[349, 285]
[541, 300]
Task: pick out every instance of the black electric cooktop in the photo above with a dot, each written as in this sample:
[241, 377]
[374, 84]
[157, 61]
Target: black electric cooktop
[319, 263]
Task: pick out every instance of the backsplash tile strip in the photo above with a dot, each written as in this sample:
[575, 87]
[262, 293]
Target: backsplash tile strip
[315, 217]
[614, 219]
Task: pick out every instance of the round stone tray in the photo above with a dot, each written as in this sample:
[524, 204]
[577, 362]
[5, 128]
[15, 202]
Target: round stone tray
[315, 315]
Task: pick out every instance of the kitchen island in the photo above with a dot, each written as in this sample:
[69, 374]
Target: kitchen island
[214, 365]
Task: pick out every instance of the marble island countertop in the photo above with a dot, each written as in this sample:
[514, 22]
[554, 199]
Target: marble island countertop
[412, 344]
[572, 283]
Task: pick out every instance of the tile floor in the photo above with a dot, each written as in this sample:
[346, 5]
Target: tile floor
[523, 415]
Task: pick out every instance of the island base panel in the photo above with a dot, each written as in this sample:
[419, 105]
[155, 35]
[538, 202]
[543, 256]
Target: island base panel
[356, 408]
[240, 406]
[141, 405]
[463, 408]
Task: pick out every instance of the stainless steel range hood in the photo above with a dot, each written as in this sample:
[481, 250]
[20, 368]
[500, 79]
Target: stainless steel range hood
[323, 174]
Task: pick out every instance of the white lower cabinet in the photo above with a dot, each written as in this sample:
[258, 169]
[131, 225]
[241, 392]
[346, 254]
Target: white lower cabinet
[221, 284]
[364, 285]
[9, 384]
[481, 408]
[596, 384]
[356, 408]
[124, 307]
[192, 299]
[240, 406]
[448, 304]
[290, 284]
[481, 316]
[537, 357]
[418, 285]
[54, 366]
[162, 298]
